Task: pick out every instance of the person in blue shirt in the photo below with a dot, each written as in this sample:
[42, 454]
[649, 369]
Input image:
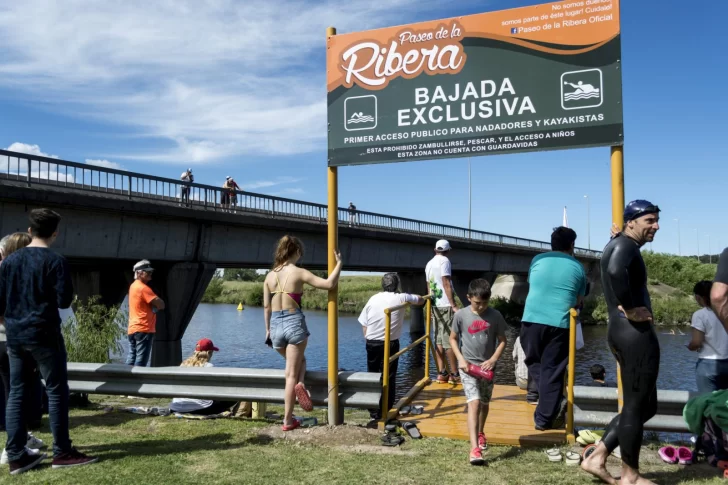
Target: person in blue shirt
[557, 283]
[35, 282]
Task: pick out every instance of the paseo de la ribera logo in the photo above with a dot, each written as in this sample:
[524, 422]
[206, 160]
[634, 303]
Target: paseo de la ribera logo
[372, 64]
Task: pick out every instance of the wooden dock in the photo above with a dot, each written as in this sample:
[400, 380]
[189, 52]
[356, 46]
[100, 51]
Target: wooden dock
[510, 421]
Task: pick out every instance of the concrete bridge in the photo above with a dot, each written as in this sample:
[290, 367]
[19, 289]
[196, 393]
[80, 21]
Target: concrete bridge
[113, 218]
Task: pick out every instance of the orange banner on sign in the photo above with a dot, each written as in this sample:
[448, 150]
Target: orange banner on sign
[371, 59]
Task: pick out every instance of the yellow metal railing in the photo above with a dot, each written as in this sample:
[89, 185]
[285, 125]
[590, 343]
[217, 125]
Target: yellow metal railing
[571, 377]
[388, 359]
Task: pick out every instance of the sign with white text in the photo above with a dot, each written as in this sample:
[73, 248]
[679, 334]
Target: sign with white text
[534, 78]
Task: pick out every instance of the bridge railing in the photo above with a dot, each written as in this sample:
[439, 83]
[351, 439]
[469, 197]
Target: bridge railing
[30, 170]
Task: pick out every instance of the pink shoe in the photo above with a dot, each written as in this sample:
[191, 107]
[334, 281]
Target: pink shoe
[303, 398]
[290, 427]
[482, 441]
[668, 454]
[685, 456]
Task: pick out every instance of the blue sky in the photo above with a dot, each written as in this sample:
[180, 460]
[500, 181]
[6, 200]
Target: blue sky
[237, 88]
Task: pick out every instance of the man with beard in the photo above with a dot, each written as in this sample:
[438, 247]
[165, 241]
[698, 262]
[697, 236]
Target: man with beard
[632, 339]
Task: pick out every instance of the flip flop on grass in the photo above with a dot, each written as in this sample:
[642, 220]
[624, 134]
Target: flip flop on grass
[553, 454]
[412, 430]
[572, 458]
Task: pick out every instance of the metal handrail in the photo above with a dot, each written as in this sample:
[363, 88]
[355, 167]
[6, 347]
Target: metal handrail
[571, 378]
[388, 359]
[47, 171]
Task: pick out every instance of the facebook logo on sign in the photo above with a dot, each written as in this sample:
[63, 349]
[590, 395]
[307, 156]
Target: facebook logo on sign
[514, 30]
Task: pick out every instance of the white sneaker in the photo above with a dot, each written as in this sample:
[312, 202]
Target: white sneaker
[34, 442]
[30, 451]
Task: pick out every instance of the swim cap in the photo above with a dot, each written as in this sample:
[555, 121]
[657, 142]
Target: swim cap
[639, 208]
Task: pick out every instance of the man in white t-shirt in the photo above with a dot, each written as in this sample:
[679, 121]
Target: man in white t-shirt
[438, 273]
[372, 320]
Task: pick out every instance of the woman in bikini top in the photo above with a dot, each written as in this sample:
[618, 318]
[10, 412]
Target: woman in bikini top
[285, 324]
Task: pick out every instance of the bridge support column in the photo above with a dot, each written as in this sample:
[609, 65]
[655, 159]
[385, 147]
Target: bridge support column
[461, 280]
[511, 287]
[109, 281]
[181, 286]
[415, 283]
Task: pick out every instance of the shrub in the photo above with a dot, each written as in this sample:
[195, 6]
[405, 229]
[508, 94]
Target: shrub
[213, 290]
[512, 311]
[95, 331]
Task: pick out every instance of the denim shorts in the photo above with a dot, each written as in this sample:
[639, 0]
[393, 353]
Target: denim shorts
[288, 327]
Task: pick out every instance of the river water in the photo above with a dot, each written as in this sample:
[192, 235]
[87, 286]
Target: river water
[240, 335]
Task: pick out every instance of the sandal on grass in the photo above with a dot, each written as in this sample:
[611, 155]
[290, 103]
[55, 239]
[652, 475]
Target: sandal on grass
[572, 458]
[391, 439]
[553, 454]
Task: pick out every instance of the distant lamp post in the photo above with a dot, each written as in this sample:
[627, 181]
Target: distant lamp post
[588, 222]
[697, 238]
[710, 254]
[679, 251]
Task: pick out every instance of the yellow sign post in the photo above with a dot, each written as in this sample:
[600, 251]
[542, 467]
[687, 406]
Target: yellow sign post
[333, 303]
[618, 219]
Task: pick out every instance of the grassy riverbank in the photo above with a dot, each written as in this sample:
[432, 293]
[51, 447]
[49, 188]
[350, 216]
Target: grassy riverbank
[354, 292]
[135, 449]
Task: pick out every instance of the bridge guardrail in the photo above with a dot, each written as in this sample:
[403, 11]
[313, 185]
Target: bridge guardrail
[37, 170]
[356, 389]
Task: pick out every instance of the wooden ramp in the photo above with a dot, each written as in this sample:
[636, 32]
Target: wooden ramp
[510, 421]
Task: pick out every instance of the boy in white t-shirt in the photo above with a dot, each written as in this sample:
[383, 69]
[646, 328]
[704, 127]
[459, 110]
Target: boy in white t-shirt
[372, 320]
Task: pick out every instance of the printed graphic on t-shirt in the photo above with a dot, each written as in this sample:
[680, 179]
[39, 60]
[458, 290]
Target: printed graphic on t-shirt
[478, 326]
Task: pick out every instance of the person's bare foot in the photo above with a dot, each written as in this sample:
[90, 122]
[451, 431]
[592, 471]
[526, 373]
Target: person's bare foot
[638, 481]
[593, 466]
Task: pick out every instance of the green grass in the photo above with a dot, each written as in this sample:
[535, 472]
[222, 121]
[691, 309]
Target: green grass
[135, 449]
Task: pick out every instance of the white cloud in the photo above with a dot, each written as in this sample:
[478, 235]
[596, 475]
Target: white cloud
[29, 149]
[262, 184]
[103, 163]
[211, 79]
[289, 192]
[15, 166]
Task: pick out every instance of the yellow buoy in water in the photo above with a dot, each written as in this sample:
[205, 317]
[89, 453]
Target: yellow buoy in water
[240, 306]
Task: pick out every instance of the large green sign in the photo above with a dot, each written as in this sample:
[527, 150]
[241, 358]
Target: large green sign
[534, 78]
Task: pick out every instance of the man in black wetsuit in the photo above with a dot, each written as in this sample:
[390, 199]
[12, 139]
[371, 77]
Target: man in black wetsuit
[719, 292]
[632, 339]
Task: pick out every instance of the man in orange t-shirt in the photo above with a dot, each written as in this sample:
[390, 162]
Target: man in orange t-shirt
[143, 306]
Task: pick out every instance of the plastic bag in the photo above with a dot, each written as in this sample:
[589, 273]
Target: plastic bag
[579, 337]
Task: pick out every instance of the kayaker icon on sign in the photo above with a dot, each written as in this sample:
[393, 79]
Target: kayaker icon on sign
[582, 89]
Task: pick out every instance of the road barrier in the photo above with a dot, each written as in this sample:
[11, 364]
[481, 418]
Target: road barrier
[596, 406]
[356, 389]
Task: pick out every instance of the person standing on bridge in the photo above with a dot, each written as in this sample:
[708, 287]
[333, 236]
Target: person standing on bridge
[719, 292]
[632, 340]
[34, 283]
[143, 307]
[188, 179]
[372, 320]
[557, 283]
[352, 213]
[438, 273]
[285, 324]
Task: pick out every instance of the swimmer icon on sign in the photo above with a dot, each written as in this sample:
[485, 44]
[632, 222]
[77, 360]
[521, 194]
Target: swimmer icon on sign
[360, 113]
[582, 89]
